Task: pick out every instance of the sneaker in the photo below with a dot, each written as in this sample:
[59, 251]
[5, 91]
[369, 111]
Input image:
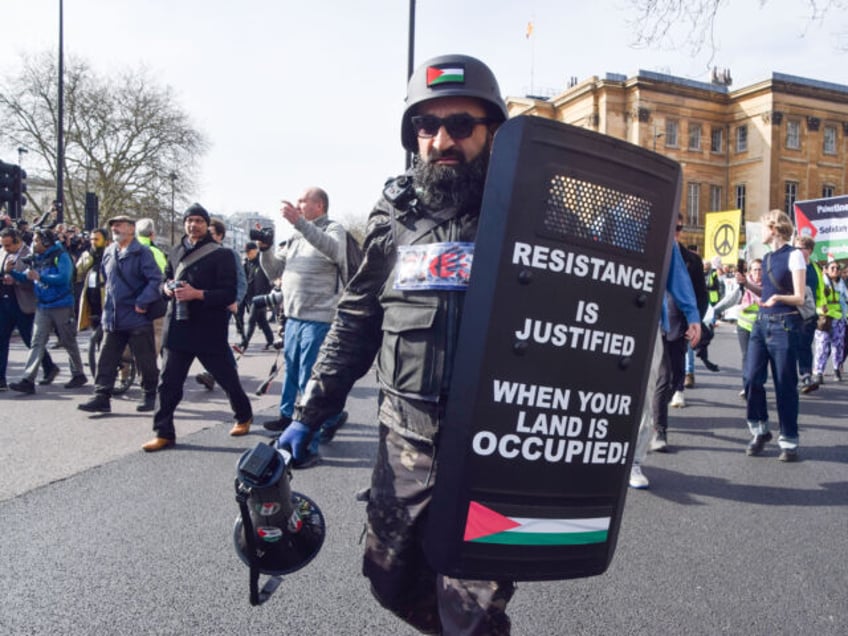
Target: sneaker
[311, 459]
[206, 380]
[97, 404]
[818, 378]
[280, 424]
[757, 444]
[838, 374]
[689, 381]
[327, 433]
[677, 400]
[76, 382]
[23, 386]
[637, 478]
[711, 366]
[660, 442]
[50, 375]
[808, 385]
[789, 455]
[742, 394]
[3, 385]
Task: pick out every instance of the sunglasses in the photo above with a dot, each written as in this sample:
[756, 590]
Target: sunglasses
[459, 126]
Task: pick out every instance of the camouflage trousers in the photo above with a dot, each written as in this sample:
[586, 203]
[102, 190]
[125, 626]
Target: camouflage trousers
[401, 579]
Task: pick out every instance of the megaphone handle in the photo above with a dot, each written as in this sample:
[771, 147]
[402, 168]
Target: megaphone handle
[271, 585]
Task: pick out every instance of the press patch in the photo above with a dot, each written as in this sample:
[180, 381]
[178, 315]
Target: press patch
[434, 266]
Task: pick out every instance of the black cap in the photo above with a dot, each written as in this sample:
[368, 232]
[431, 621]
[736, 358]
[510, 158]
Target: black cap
[196, 210]
[251, 246]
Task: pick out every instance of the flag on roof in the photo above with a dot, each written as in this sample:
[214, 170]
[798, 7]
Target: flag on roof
[484, 525]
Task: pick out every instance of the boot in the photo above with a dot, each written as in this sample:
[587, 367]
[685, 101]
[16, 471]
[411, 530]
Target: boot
[100, 403]
[148, 403]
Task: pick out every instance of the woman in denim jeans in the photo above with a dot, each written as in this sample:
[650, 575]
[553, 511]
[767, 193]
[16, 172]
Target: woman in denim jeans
[774, 340]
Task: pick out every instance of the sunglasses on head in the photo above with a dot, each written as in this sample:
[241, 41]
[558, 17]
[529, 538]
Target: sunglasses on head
[459, 126]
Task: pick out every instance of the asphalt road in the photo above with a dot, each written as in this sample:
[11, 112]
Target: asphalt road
[97, 537]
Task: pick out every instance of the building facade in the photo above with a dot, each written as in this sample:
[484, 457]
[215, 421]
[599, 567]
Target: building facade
[756, 148]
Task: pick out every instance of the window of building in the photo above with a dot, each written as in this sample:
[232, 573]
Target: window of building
[694, 136]
[740, 197]
[791, 194]
[693, 204]
[827, 191]
[829, 140]
[793, 134]
[717, 140]
[716, 198]
[671, 127]
[742, 139]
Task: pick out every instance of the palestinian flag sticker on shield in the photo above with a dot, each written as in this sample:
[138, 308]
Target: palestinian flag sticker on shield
[453, 74]
[484, 525]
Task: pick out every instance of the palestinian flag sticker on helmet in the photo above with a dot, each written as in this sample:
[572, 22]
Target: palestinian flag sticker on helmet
[451, 74]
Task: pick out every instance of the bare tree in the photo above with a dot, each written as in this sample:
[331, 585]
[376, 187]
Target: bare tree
[123, 135]
[691, 24]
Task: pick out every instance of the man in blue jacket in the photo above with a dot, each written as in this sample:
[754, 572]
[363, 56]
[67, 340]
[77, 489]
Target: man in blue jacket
[52, 275]
[133, 281]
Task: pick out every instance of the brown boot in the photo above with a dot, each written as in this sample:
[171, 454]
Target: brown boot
[157, 444]
[689, 381]
[240, 429]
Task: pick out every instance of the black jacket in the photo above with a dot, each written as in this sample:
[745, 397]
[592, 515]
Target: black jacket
[206, 329]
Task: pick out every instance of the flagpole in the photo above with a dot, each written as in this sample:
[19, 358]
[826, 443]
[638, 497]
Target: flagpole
[410, 59]
[60, 133]
[529, 35]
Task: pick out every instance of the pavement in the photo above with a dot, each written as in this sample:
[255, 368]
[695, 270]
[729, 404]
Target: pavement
[97, 537]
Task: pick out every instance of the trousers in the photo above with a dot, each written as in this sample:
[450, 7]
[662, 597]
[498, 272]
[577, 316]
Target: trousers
[61, 319]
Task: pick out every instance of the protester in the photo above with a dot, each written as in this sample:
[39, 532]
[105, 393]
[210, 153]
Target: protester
[830, 333]
[747, 296]
[311, 284]
[201, 281]
[815, 282]
[449, 126]
[52, 274]
[132, 284]
[17, 304]
[774, 340]
[257, 285]
[90, 275]
[145, 233]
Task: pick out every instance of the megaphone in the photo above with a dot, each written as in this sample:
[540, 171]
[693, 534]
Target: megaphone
[278, 531]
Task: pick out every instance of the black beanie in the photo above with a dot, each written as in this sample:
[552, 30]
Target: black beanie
[196, 210]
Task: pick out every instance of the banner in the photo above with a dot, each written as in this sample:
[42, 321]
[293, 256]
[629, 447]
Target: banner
[721, 236]
[826, 222]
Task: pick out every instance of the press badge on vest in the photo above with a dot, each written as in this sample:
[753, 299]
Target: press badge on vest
[434, 266]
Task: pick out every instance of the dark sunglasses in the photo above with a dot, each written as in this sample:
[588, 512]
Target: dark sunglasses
[459, 126]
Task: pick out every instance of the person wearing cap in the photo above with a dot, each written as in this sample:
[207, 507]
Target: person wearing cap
[257, 285]
[52, 274]
[453, 109]
[132, 283]
[200, 280]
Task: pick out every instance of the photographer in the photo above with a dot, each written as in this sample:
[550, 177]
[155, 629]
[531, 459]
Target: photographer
[201, 279]
[311, 290]
[257, 286]
[52, 273]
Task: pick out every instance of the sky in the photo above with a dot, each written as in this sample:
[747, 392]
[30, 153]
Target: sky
[292, 94]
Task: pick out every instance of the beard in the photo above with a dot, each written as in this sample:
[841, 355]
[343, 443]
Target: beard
[460, 186]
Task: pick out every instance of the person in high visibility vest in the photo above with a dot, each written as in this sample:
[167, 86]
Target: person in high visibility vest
[831, 339]
[814, 280]
[750, 288]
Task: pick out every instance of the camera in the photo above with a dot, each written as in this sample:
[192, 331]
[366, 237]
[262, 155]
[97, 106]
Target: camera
[28, 260]
[271, 300]
[264, 235]
[180, 306]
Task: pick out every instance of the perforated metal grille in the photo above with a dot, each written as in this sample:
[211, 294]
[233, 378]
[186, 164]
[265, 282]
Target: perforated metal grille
[590, 211]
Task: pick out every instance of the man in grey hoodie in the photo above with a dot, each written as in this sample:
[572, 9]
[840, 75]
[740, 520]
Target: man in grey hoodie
[310, 266]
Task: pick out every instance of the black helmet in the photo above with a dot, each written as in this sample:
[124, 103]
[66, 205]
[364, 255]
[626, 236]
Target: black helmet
[450, 76]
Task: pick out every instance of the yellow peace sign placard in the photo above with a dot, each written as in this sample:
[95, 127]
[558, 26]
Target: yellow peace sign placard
[721, 236]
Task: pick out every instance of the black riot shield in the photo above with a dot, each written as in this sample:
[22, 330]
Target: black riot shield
[555, 345]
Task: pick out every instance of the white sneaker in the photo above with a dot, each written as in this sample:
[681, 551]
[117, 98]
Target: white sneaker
[637, 478]
[677, 400]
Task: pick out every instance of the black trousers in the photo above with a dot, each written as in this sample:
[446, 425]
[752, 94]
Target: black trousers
[143, 347]
[174, 372]
[259, 317]
[671, 372]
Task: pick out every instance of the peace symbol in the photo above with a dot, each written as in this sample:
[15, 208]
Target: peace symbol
[724, 239]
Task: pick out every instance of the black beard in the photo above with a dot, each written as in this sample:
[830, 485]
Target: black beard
[460, 186]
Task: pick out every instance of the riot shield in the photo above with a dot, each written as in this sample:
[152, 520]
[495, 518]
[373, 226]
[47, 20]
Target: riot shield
[555, 344]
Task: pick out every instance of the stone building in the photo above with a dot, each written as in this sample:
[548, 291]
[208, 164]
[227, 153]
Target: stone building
[756, 148]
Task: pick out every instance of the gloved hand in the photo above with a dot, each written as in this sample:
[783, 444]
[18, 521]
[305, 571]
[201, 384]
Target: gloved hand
[296, 439]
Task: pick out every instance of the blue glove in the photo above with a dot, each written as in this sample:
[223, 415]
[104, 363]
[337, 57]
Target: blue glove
[296, 439]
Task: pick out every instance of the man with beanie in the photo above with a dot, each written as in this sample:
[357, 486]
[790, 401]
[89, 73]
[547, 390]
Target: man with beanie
[201, 282]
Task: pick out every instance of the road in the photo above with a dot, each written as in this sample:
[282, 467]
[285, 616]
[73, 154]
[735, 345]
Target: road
[97, 537]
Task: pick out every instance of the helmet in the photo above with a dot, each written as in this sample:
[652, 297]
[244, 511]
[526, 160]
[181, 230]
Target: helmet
[450, 76]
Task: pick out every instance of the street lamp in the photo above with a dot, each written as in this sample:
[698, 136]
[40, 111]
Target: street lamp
[173, 177]
[21, 152]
